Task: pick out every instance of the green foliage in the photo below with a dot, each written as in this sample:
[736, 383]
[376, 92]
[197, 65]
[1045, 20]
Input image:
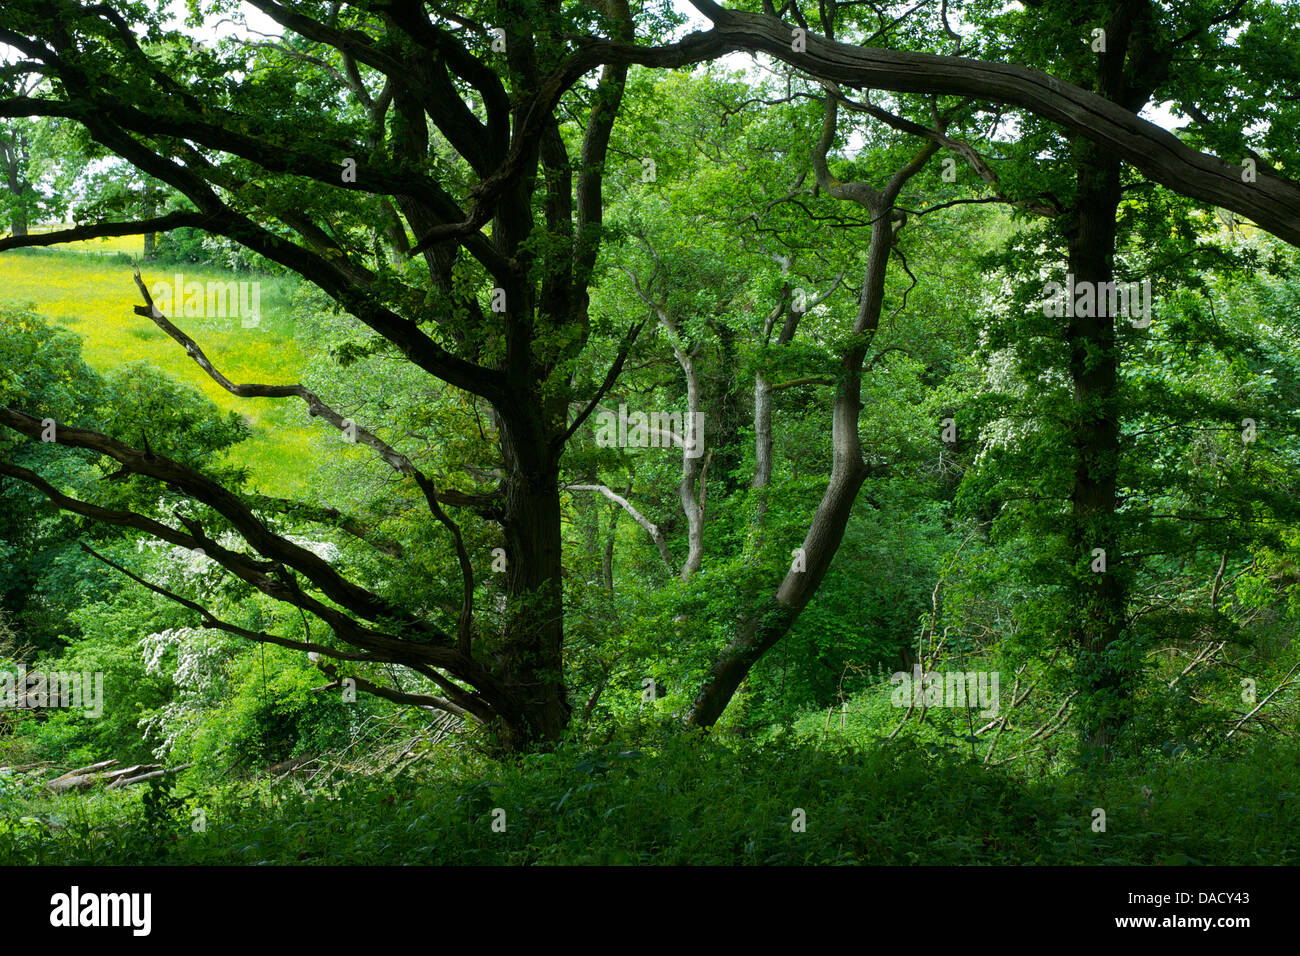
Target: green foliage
[958, 553]
[677, 800]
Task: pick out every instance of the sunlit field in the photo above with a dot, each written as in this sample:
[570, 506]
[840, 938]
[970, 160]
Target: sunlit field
[88, 288]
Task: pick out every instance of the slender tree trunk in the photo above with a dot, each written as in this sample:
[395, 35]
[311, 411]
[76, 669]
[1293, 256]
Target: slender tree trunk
[763, 445]
[149, 209]
[763, 441]
[772, 619]
[690, 490]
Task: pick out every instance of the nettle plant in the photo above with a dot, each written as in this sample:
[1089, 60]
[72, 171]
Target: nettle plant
[444, 178]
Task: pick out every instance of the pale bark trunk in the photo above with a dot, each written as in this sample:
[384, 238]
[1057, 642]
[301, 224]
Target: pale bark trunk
[772, 620]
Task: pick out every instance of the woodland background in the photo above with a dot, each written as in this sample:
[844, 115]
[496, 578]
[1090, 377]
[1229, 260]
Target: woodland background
[475, 227]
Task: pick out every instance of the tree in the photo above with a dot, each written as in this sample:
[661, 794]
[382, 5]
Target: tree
[1133, 54]
[36, 165]
[441, 178]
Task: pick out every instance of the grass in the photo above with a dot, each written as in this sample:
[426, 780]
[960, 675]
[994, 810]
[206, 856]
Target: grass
[687, 799]
[114, 245]
[94, 296]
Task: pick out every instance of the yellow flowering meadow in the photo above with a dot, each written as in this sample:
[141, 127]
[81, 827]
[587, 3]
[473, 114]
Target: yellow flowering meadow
[95, 295]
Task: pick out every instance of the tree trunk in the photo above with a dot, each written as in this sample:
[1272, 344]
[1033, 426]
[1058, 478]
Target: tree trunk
[774, 617]
[530, 661]
[149, 209]
[1100, 597]
[13, 157]
[763, 441]
[690, 490]
[1128, 71]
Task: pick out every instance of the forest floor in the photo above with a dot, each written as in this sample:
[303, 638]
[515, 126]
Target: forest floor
[686, 800]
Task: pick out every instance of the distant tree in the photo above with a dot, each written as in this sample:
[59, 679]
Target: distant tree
[35, 171]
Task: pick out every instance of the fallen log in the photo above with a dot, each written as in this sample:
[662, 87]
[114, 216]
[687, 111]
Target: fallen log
[82, 778]
[150, 775]
[95, 767]
[113, 775]
[27, 767]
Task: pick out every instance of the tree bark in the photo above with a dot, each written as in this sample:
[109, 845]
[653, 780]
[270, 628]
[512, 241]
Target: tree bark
[773, 617]
[149, 207]
[1094, 370]
[12, 158]
[530, 662]
[1128, 71]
